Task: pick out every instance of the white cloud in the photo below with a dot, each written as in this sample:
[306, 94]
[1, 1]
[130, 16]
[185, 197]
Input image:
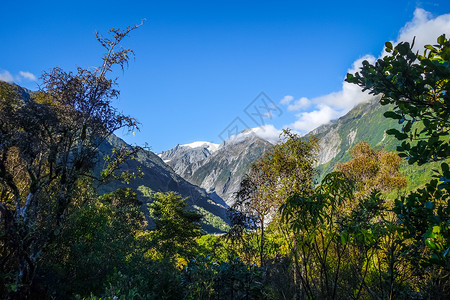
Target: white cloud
[424, 28]
[307, 121]
[299, 104]
[268, 133]
[350, 94]
[286, 100]
[331, 106]
[265, 132]
[334, 105]
[6, 76]
[28, 75]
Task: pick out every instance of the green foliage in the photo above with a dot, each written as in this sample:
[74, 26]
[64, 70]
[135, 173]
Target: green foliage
[417, 86]
[115, 160]
[213, 220]
[290, 239]
[145, 191]
[234, 279]
[285, 170]
[98, 239]
[176, 227]
[311, 222]
[303, 213]
[213, 247]
[49, 145]
[152, 281]
[425, 215]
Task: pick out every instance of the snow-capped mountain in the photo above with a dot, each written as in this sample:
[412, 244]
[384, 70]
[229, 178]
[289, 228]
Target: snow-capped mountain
[218, 169]
[160, 177]
[211, 147]
[181, 156]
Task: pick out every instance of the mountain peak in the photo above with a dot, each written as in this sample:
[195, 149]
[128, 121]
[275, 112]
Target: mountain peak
[211, 147]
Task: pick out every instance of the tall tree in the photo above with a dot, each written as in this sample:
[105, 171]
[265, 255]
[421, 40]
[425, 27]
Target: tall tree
[48, 144]
[286, 170]
[176, 227]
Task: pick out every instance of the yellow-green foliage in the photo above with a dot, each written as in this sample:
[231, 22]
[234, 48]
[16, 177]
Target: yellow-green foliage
[372, 170]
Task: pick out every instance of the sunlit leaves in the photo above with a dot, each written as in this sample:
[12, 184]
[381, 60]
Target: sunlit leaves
[176, 227]
[372, 170]
[418, 87]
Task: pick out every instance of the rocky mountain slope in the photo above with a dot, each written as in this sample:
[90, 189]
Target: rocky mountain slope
[182, 156]
[209, 174]
[365, 122]
[220, 172]
[159, 177]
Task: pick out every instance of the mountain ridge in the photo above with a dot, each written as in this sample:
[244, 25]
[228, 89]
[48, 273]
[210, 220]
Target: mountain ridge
[220, 172]
[159, 177]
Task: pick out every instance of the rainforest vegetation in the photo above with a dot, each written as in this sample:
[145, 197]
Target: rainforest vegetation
[354, 235]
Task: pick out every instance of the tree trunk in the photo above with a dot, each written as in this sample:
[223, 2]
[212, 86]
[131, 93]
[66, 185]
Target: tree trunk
[261, 250]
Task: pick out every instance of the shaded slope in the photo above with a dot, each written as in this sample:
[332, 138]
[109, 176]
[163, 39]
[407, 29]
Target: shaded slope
[159, 177]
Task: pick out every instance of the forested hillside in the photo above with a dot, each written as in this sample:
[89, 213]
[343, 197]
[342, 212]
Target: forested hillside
[159, 177]
[365, 122]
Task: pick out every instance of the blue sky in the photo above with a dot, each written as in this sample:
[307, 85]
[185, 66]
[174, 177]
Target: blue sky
[200, 64]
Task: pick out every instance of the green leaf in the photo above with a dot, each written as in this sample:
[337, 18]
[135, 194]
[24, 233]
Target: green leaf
[434, 257]
[343, 239]
[445, 167]
[430, 244]
[429, 47]
[392, 115]
[392, 131]
[388, 46]
[398, 135]
[436, 229]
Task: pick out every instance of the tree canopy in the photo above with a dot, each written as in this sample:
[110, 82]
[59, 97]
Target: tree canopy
[372, 170]
[48, 145]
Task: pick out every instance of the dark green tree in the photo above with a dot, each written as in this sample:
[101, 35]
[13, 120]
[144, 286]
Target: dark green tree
[99, 239]
[417, 86]
[176, 227]
[312, 228]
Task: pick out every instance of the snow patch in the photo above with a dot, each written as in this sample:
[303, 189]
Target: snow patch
[199, 144]
[266, 132]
